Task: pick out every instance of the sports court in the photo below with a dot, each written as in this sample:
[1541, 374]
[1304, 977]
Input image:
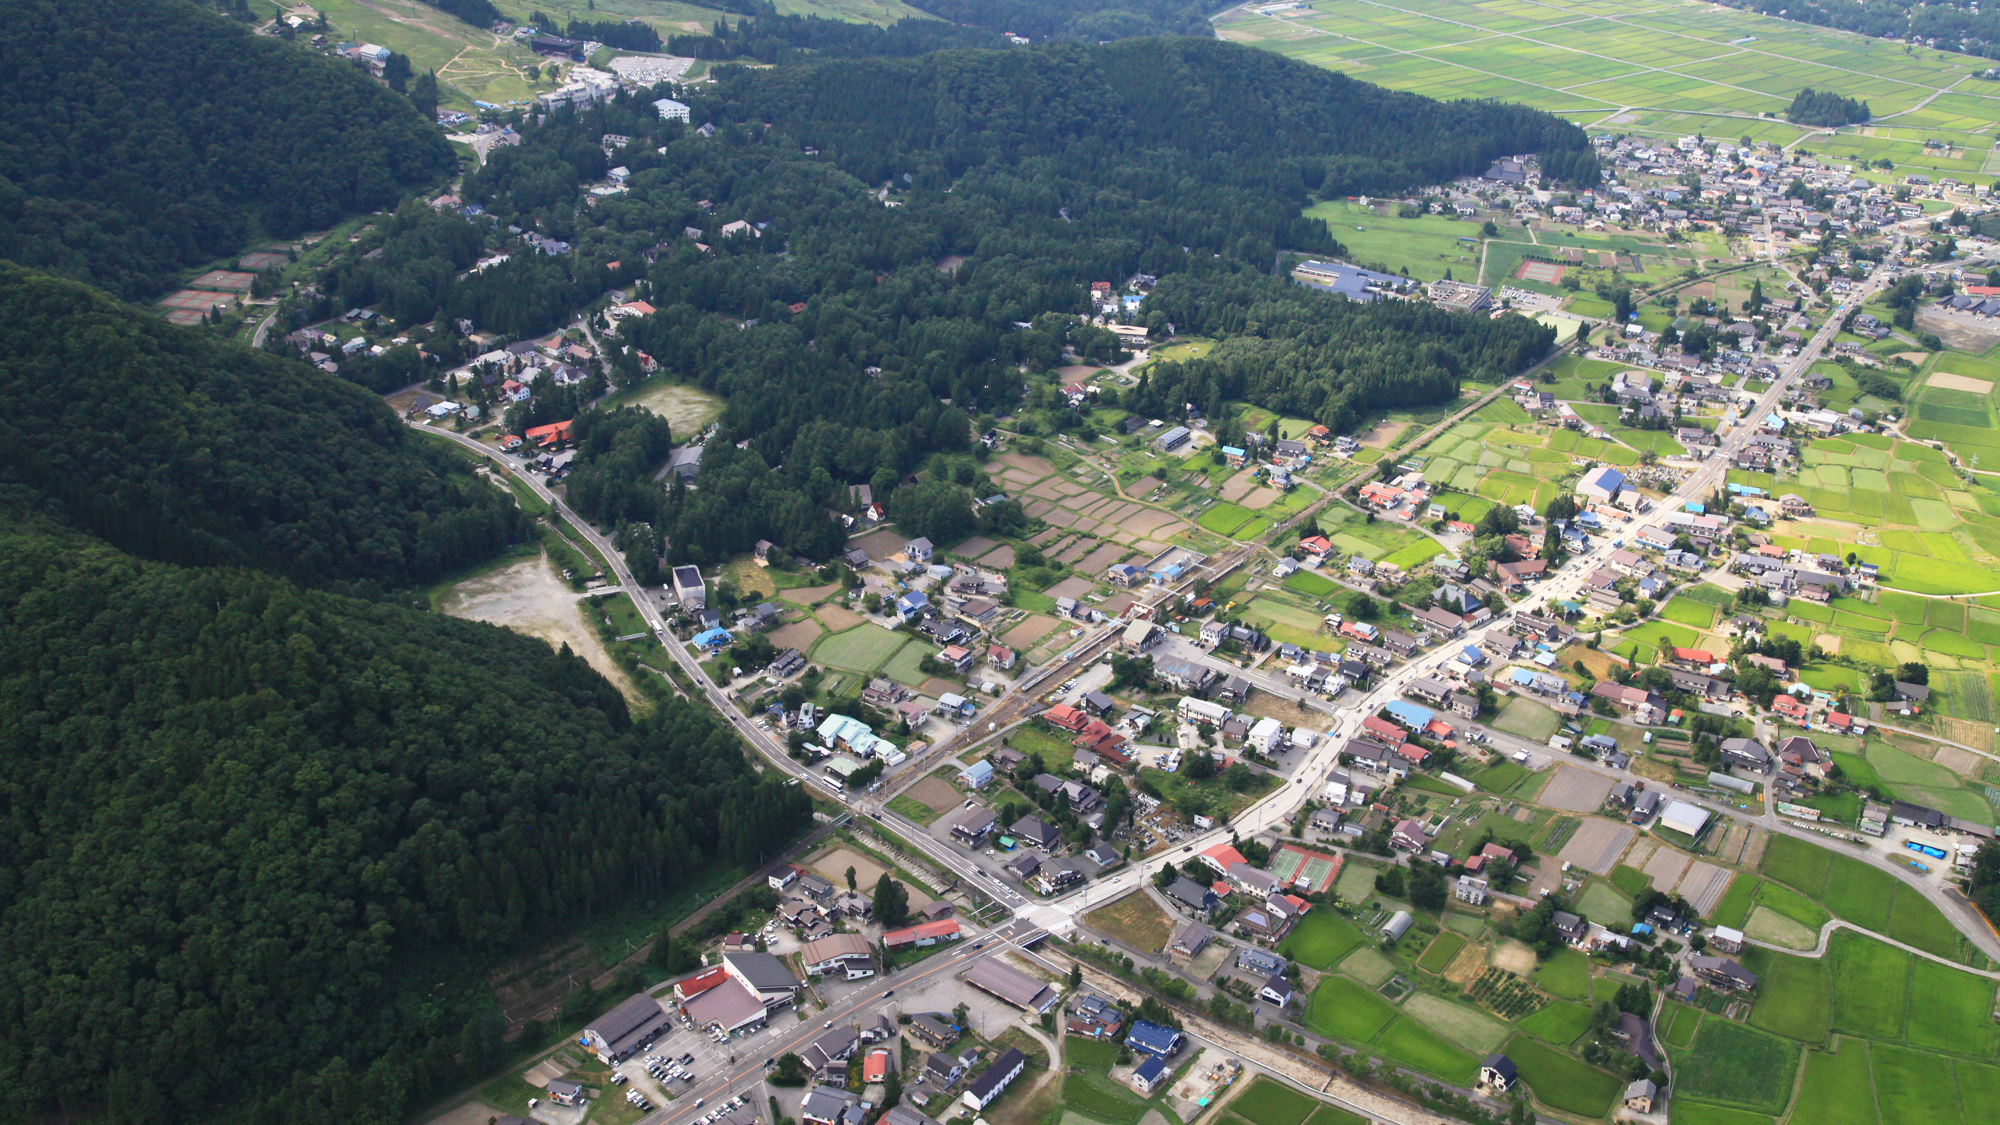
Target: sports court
[1547, 273]
[260, 260]
[236, 281]
[1314, 871]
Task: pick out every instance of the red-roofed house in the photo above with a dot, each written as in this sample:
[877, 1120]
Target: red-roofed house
[1496, 852]
[875, 1066]
[552, 434]
[927, 933]
[1408, 835]
[1438, 728]
[1699, 656]
[1000, 656]
[1789, 707]
[1319, 546]
[1376, 724]
[1840, 721]
[1222, 888]
[1098, 736]
[1413, 752]
[1067, 717]
[699, 983]
[1221, 856]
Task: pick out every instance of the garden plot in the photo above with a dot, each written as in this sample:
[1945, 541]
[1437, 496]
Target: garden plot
[1665, 866]
[1704, 885]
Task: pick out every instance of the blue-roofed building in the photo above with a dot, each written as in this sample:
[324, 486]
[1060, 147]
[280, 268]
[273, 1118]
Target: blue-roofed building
[1233, 455]
[1352, 282]
[714, 638]
[912, 604]
[1409, 714]
[1745, 490]
[978, 775]
[1151, 1073]
[1601, 484]
[1153, 1039]
[1472, 657]
[1697, 507]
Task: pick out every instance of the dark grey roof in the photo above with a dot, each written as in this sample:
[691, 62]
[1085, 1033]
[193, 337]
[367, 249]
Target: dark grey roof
[764, 971]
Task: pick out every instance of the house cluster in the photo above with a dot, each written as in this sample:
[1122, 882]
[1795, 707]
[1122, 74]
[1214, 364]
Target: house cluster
[810, 908]
[1260, 905]
[1819, 578]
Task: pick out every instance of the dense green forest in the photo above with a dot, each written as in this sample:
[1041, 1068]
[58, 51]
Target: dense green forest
[264, 843]
[142, 137]
[1960, 25]
[1825, 108]
[175, 445]
[846, 355]
[1093, 20]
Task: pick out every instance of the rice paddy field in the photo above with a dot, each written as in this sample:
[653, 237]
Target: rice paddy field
[1650, 67]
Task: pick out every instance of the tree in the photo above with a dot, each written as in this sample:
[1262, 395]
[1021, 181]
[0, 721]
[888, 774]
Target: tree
[1914, 673]
[892, 901]
[424, 94]
[790, 1071]
[850, 878]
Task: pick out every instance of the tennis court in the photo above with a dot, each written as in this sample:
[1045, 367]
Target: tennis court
[1547, 273]
[1315, 871]
[224, 279]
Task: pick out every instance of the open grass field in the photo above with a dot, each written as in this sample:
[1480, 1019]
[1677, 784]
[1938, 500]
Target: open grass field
[1678, 1024]
[1567, 975]
[1135, 920]
[1267, 1102]
[1441, 951]
[1466, 1026]
[1527, 719]
[1870, 986]
[1734, 908]
[1320, 939]
[1792, 905]
[1838, 1089]
[1793, 997]
[1917, 1086]
[1098, 1098]
[1738, 1066]
[1686, 1112]
[864, 648]
[1348, 1009]
[1562, 1081]
[1950, 1011]
[1417, 1046]
[1559, 1023]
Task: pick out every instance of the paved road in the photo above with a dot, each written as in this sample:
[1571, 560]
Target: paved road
[1278, 808]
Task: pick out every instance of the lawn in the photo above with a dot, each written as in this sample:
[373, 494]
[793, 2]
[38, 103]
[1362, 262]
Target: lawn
[1837, 1090]
[1689, 612]
[1562, 1082]
[1103, 1102]
[1267, 1102]
[1439, 956]
[1225, 518]
[1415, 1045]
[1734, 907]
[1870, 985]
[1797, 863]
[1602, 901]
[1090, 1054]
[1135, 920]
[1918, 1086]
[1501, 778]
[1792, 995]
[864, 648]
[1793, 905]
[1567, 975]
[1631, 880]
[1738, 1065]
[1950, 1010]
[1527, 719]
[1348, 1009]
[1559, 1023]
[1311, 585]
[1320, 939]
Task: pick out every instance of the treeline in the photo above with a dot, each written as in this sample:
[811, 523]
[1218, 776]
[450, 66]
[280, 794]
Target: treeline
[175, 445]
[1961, 25]
[1318, 356]
[615, 33]
[1825, 108]
[267, 844]
[118, 169]
[771, 38]
[1090, 20]
[478, 13]
[847, 356]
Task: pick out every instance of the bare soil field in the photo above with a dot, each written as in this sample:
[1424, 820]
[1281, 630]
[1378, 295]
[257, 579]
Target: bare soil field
[688, 410]
[1575, 790]
[934, 793]
[1238, 486]
[881, 544]
[799, 635]
[1597, 844]
[1704, 884]
[807, 595]
[530, 597]
[832, 866]
[1075, 586]
[1384, 434]
[837, 618]
[1000, 558]
[1027, 464]
[1028, 632]
[1514, 957]
[1142, 486]
[1666, 866]
[974, 547]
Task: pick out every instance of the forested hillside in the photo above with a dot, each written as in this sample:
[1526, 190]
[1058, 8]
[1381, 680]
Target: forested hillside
[264, 843]
[1044, 170]
[1092, 20]
[178, 446]
[140, 137]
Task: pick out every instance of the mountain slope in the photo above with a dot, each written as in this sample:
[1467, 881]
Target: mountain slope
[178, 446]
[144, 136]
[264, 843]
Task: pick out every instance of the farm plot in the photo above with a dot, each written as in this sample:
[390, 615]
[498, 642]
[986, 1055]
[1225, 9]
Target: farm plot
[864, 648]
[1322, 938]
[1563, 1082]
[1572, 789]
[1738, 1065]
[1597, 844]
